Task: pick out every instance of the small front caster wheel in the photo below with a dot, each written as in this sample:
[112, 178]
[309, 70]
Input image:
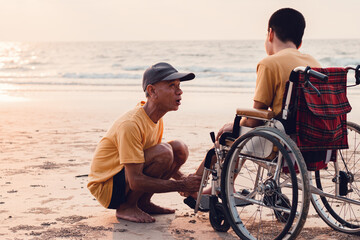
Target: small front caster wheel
[218, 220]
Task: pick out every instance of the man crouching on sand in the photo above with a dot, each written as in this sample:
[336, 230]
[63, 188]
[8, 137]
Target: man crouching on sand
[131, 163]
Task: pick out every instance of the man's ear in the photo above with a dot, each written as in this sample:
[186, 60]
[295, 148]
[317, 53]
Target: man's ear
[151, 91]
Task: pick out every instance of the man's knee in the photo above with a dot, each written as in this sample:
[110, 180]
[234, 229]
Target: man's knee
[180, 151]
[166, 154]
[161, 155]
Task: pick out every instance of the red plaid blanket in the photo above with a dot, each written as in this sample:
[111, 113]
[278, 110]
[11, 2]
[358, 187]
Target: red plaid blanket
[321, 121]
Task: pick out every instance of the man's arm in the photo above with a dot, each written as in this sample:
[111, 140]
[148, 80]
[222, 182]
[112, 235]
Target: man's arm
[138, 181]
[178, 175]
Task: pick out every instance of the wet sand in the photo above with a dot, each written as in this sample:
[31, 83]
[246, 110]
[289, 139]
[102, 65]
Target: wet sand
[46, 144]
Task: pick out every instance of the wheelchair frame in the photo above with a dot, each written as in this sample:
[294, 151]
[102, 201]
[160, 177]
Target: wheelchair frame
[284, 196]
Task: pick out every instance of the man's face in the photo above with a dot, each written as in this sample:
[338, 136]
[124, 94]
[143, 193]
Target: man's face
[168, 95]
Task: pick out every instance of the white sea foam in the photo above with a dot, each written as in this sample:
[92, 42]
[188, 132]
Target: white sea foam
[101, 76]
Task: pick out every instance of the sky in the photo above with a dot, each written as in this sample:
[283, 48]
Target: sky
[148, 20]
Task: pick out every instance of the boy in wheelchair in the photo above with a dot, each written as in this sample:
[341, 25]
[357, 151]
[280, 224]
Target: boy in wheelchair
[284, 38]
[261, 174]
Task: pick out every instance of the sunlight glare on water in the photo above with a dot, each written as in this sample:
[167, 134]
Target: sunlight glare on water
[10, 58]
[5, 94]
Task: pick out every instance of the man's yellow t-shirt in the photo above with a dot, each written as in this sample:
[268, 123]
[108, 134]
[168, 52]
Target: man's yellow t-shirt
[123, 143]
[274, 71]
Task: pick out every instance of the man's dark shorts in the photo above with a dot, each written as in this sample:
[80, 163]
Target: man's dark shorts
[118, 194]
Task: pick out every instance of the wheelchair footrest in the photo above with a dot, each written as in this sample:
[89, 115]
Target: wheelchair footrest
[205, 202]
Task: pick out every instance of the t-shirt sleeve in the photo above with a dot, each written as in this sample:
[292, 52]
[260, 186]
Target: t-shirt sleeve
[130, 143]
[264, 90]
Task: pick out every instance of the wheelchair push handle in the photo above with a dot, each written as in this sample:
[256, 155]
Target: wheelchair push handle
[317, 75]
[212, 135]
[307, 70]
[357, 74]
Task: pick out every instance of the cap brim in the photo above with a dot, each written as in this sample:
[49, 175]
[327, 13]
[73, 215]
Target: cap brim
[180, 76]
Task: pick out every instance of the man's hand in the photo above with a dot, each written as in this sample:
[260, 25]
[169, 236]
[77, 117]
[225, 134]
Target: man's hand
[228, 127]
[138, 181]
[192, 183]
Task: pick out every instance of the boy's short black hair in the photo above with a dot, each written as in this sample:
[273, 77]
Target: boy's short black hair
[288, 24]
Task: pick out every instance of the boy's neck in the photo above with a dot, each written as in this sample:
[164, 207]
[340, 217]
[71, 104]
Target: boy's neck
[283, 45]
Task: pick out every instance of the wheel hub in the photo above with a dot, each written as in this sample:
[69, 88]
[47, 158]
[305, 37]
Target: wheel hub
[269, 187]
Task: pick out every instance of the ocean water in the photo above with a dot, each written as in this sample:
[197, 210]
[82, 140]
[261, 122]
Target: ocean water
[218, 65]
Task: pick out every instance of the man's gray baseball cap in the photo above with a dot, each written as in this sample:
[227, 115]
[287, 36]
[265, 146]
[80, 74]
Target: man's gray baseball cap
[163, 72]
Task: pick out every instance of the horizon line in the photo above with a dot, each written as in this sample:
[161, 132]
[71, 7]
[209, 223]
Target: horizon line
[161, 40]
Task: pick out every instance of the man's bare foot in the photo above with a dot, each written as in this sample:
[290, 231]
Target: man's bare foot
[133, 214]
[151, 208]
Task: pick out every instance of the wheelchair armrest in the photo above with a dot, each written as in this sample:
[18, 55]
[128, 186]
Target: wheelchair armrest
[255, 113]
[208, 158]
[226, 137]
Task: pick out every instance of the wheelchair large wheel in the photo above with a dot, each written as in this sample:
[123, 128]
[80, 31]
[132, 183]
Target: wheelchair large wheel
[343, 212]
[275, 198]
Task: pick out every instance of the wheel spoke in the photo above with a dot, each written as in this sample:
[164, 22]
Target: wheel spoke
[270, 207]
[338, 214]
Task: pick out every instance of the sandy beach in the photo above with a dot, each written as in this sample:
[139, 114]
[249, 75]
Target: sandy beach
[47, 139]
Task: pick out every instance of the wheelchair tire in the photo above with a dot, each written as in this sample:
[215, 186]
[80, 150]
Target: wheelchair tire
[218, 220]
[341, 215]
[242, 170]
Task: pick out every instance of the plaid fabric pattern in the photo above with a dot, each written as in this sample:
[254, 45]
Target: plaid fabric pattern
[321, 121]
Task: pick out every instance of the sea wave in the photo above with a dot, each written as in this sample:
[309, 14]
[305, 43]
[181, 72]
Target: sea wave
[16, 68]
[101, 76]
[215, 63]
[226, 75]
[201, 83]
[135, 68]
[66, 83]
[196, 69]
[221, 69]
[339, 61]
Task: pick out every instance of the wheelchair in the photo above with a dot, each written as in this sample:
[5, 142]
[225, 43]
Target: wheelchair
[264, 178]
